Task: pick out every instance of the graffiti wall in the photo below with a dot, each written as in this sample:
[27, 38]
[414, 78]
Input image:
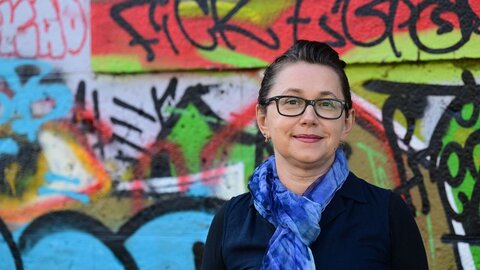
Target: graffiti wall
[154, 35]
[125, 125]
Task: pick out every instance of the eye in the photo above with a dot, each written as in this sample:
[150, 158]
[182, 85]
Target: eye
[292, 101]
[326, 104]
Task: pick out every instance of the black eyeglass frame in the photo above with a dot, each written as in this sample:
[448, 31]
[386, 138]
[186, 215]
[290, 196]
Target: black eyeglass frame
[307, 102]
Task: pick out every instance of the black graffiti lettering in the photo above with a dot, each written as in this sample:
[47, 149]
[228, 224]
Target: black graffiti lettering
[339, 39]
[80, 96]
[220, 26]
[131, 144]
[456, 239]
[202, 4]
[96, 110]
[404, 104]
[8, 239]
[130, 107]
[122, 157]
[137, 38]
[295, 20]
[453, 174]
[168, 111]
[166, 100]
[469, 22]
[26, 72]
[167, 34]
[450, 162]
[129, 126]
[468, 216]
[368, 10]
[453, 149]
[86, 124]
[157, 27]
[412, 105]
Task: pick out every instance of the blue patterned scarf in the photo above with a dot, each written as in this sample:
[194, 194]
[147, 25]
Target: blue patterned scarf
[296, 218]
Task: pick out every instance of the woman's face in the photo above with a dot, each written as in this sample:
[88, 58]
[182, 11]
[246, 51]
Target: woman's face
[306, 140]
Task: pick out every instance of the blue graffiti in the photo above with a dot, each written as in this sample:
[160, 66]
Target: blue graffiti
[26, 90]
[7, 108]
[158, 237]
[166, 243]
[70, 250]
[52, 177]
[7, 260]
[43, 191]
[9, 254]
[8, 146]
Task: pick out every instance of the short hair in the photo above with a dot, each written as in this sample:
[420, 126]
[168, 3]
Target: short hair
[312, 52]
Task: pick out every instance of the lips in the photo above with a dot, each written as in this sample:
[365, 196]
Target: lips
[307, 138]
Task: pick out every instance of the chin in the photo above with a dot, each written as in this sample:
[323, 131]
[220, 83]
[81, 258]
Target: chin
[309, 160]
[313, 159]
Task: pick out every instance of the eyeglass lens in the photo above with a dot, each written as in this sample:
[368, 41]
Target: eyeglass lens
[293, 106]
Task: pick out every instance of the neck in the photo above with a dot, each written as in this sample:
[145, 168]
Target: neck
[297, 178]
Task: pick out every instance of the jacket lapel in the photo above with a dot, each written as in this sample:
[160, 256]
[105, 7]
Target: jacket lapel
[334, 208]
[352, 189]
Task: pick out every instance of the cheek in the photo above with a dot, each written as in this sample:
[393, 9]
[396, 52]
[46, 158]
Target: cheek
[336, 131]
[280, 126]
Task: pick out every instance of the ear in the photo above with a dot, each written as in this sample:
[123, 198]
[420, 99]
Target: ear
[262, 120]
[349, 121]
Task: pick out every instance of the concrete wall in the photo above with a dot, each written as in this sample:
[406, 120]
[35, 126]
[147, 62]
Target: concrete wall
[124, 125]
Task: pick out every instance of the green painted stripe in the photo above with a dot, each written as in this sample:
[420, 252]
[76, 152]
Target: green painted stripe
[258, 12]
[116, 64]
[234, 59]
[431, 240]
[383, 52]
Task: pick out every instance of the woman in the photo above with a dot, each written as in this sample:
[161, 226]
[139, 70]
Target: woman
[305, 209]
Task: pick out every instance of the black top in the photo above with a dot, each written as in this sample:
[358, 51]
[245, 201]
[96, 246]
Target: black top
[363, 227]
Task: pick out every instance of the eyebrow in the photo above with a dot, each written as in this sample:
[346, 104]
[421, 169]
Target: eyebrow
[299, 91]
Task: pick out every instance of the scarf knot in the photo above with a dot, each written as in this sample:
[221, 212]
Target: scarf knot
[295, 217]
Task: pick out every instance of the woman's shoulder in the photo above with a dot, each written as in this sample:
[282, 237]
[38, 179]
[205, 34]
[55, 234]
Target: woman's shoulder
[234, 204]
[235, 211]
[352, 176]
[241, 198]
[238, 203]
[231, 208]
[370, 192]
[381, 196]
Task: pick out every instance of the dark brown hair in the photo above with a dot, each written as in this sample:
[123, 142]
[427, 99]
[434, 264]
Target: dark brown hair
[312, 52]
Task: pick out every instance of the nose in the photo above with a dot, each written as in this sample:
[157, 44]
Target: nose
[309, 117]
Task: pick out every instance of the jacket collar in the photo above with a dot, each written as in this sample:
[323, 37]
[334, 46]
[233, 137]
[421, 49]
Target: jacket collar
[352, 189]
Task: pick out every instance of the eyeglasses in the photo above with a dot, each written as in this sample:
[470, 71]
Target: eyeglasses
[327, 108]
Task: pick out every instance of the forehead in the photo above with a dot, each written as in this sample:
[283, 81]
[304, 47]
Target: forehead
[307, 80]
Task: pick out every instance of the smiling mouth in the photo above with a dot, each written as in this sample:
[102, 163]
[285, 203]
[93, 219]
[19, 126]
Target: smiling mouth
[308, 138]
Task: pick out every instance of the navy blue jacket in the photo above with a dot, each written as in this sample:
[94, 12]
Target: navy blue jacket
[363, 227]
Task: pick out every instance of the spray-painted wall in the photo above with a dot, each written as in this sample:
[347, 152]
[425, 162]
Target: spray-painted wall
[124, 125]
